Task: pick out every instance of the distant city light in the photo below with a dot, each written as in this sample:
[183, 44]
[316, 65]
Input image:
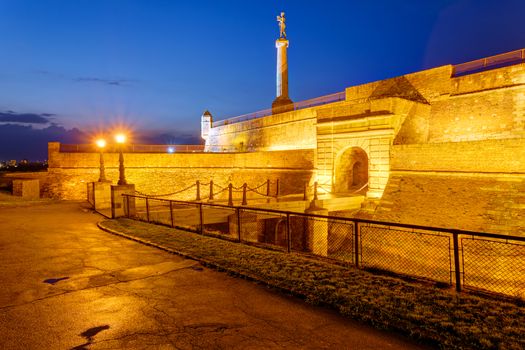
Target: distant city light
[101, 143]
[171, 149]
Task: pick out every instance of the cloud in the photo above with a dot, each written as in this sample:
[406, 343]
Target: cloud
[25, 118]
[26, 142]
[114, 82]
[23, 141]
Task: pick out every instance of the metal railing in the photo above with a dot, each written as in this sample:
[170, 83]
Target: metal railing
[477, 261]
[497, 61]
[90, 148]
[339, 96]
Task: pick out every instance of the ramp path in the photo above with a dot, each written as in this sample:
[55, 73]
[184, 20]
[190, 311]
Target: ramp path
[68, 285]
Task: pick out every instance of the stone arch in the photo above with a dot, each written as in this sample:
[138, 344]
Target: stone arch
[351, 170]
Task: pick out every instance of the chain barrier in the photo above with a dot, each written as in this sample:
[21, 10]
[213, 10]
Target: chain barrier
[259, 193]
[165, 195]
[239, 189]
[221, 187]
[224, 189]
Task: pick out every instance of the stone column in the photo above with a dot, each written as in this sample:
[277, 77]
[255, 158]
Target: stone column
[282, 102]
[317, 231]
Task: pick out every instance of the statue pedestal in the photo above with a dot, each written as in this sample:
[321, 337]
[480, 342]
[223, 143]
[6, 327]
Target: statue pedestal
[282, 104]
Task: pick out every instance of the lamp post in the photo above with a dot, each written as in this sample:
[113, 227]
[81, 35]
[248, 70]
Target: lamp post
[121, 139]
[101, 143]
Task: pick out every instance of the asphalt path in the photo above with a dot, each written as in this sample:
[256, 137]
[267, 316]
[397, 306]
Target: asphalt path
[65, 284]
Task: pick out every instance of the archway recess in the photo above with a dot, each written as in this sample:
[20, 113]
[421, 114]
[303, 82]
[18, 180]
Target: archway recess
[351, 171]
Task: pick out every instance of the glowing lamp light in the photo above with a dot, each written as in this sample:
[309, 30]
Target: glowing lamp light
[101, 143]
[171, 149]
[120, 138]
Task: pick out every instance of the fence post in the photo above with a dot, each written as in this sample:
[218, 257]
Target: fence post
[315, 191]
[244, 201]
[198, 196]
[288, 234]
[268, 188]
[305, 190]
[127, 207]
[239, 224]
[201, 221]
[211, 190]
[230, 195]
[277, 188]
[171, 213]
[147, 209]
[356, 243]
[456, 261]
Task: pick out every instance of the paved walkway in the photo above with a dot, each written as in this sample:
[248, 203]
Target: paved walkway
[68, 285]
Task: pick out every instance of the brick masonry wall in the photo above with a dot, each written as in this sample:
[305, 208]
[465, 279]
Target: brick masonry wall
[476, 203]
[488, 156]
[157, 174]
[41, 176]
[458, 159]
[478, 186]
[291, 130]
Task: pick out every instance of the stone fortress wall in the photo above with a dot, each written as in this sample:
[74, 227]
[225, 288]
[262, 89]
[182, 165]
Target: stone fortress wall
[436, 150]
[442, 150]
[163, 173]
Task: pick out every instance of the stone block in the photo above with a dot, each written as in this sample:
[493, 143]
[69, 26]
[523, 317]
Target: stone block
[120, 206]
[26, 188]
[102, 195]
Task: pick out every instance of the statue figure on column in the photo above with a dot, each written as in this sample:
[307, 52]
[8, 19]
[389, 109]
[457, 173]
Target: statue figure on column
[282, 25]
[282, 102]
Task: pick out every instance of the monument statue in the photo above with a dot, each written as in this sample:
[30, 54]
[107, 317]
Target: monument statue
[282, 25]
[282, 102]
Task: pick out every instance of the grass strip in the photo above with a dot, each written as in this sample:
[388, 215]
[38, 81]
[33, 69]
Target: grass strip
[426, 313]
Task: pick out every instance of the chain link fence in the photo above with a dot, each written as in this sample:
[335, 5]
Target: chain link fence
[472, 260]
[496, 265]
[410, 252]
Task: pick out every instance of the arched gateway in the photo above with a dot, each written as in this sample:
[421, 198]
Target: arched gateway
[351, 171]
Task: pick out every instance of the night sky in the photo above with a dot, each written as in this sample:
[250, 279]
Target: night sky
[72, 69]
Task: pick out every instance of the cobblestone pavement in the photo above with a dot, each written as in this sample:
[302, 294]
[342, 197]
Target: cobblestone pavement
[68, 285]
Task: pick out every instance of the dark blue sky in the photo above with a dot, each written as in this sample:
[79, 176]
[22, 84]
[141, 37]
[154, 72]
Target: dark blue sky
[157, 65]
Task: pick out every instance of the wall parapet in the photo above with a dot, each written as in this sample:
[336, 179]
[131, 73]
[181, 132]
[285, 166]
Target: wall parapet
[313, 102]
[297, 159]
[133, 148]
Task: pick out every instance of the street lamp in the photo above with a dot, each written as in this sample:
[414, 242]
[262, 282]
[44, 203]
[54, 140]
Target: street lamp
[121, 139]
[101, 144]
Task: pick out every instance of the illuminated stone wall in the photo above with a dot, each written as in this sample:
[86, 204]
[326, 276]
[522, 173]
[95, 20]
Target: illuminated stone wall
[487, 105]
[167, 173]
[467, 170]
[442, 150]
[285, 131]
